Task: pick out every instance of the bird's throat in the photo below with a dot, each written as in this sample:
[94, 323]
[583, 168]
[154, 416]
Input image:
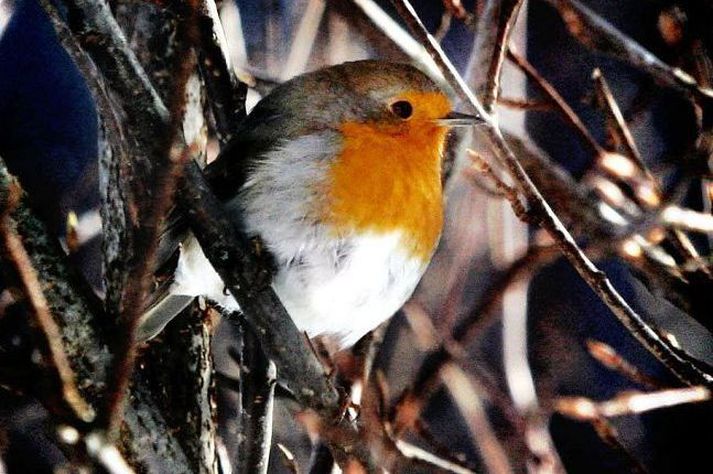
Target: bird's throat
[388, 178]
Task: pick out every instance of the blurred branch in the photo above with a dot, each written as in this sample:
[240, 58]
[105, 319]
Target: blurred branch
[609, 436]
[421, 458]
[464, 392]
[630, 403]
[533, 105]
[288, 459]
[609, 358]
[596, 33]
[595, 278]
[615, 119]
[301, 45]
[392, 30]
[473, 324]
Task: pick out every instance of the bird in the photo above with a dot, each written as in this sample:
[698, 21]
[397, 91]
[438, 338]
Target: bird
[338, 173]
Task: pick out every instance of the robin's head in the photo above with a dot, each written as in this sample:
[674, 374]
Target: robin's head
[397, 96]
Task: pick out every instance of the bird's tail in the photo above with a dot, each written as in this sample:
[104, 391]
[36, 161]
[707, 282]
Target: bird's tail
[160, 314]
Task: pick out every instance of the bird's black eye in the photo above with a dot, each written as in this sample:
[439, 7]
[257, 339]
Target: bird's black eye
[402, 109]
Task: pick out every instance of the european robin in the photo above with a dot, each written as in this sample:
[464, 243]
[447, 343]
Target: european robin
[338, 172]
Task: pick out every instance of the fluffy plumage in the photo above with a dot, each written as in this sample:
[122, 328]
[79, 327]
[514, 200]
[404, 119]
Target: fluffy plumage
[342, 191]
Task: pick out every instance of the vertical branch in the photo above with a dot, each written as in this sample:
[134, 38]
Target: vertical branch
[304, 39]
[257, 390]
[464, 392]
[488, 54]
[179, 371]
[226, 92]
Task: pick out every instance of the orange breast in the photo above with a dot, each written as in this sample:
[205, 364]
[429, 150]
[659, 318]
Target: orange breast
[388, 178]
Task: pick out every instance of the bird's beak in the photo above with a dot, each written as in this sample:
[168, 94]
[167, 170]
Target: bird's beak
[457, 119]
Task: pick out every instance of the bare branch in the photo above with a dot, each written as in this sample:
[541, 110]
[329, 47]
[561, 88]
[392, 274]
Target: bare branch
[533, 105]
[630, 403]
[464, 392]
[226, 92]
[84, 337]
[400, 37]
[289, 459]
[569, 116]
[607, 356]
[493, 28]
[596, 33]
[608, 434]
[616, 119]
[257, 391]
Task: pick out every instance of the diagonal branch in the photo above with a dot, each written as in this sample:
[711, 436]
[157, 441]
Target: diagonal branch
[596, 33]
[569, 115]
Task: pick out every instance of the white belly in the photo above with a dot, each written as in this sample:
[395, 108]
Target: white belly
[343, 296]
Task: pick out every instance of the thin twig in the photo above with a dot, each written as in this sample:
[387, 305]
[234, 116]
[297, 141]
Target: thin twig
[434, 463]
[680, 241]
[581, 408]
[616, 120]
[608, 434]
[506, 191]
[607, 356]
[288, 459]
[568, 114]
[530, 105]
[507, 13]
